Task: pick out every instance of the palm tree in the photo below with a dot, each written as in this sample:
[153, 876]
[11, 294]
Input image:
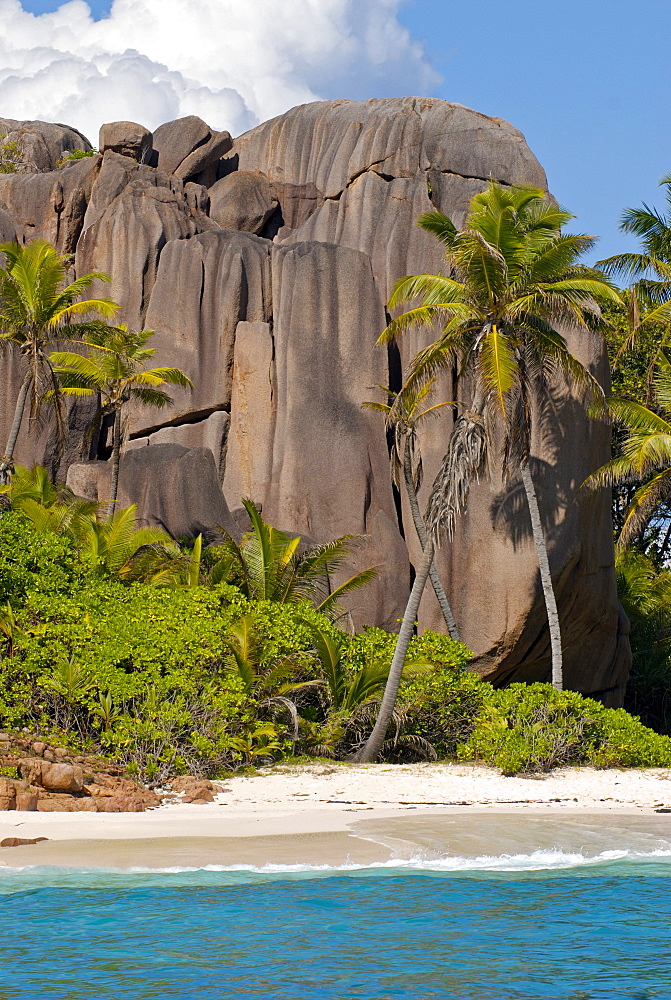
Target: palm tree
[649, 270]
[50, 507]
[645, 453]
[114, 370]
[513, 281]
[118, 547]
[37, 311]
[114, 546]
[267, 566]
[347, 689]
[406, 459]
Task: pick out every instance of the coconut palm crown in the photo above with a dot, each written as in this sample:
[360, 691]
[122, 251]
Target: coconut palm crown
[38, 310]
[645, 452]
[649, 270]
[114, 369]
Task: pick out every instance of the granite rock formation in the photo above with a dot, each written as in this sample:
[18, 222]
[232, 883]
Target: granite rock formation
[52, 779]
[264, 264]
[40, 145]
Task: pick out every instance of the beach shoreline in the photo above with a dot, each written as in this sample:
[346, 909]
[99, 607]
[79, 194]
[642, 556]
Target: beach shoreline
[339, 814]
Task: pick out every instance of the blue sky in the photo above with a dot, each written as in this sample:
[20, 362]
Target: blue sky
[587, 81]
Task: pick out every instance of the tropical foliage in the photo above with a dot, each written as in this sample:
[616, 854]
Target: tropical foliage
[38, 310]
[512, 280]
[267, 565]
[649, 269]
[203, 679]
[644, 453]
[114, 370]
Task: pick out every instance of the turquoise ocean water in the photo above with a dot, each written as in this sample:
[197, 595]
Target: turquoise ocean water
[527, 927]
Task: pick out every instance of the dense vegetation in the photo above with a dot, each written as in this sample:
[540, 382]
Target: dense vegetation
[202, 678]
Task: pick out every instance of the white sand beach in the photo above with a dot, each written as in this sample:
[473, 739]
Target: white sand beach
[329, 814]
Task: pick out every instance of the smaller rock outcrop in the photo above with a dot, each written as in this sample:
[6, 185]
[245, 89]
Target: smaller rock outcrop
[127, 139]
[176, 488]
[38, 146]
[51, 779]
[196, 791]
[187, 146]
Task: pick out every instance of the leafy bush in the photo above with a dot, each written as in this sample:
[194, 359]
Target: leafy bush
[30, 560]
[10, 156]
[535, 728]
[76, 154]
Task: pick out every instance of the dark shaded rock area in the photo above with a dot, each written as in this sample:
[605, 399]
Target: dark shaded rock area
[264, 264]
[51, 779]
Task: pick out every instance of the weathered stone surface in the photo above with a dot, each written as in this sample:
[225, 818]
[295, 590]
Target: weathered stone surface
[27, 801]
[204, 287]
[250, 438]
[127, 239]
[330, 473]
[62, 778]
[127, 138]
[50, 206]
[359, 173]
[57, 802]
[211, 432]
[7, 230]
[244, 200]
[175, 488]
[41, 144]
[21, 841]
[176, 140]
[30, 770]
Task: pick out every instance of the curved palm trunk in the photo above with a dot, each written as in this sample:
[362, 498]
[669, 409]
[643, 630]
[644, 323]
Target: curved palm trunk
[6, 462]
[418, 521]
[116, 459]
[546, 578]
[373, 746]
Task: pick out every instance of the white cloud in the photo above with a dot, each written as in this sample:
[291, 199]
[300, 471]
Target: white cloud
[233, 62]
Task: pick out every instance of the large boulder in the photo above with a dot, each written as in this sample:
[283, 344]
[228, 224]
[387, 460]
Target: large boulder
[243, 200]
[127, 139]
[187, 146]
[38, 146]
[359, 175]
[175, 488]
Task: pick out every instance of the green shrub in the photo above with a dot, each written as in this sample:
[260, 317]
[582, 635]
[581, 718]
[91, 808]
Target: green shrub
[30, 560]
[148, 674]
[535, 728]
[10, 156]
[76, 154]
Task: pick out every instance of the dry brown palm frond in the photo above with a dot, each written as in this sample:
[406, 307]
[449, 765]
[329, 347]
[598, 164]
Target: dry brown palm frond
[464, 462]
[418, 746]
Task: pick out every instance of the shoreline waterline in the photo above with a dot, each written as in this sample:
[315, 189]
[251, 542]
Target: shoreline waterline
[424, 837]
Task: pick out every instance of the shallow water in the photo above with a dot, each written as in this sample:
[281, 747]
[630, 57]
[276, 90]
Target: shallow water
[546, 924]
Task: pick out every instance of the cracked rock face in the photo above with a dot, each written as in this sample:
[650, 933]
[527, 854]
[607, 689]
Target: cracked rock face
[264, 267]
